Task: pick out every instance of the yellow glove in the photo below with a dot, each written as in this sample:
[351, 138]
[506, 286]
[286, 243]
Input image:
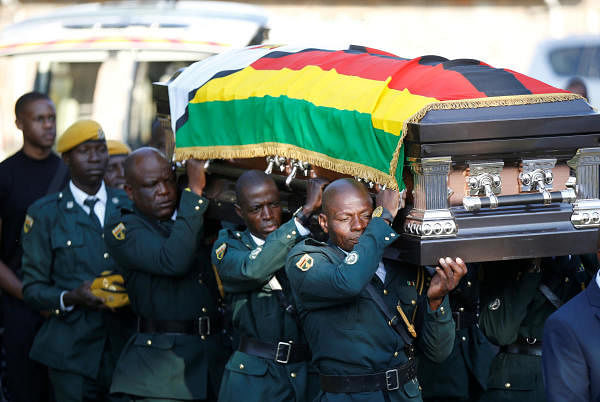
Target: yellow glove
[110, 287]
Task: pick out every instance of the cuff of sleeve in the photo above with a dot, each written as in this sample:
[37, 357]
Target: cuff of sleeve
[191, 201]
[62, 303]
[443, 312]
[301, 228]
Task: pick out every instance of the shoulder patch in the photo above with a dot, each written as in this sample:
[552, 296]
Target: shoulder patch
[119, 231]
[351, 258]
[305, 262]
[495, 304]
[254, 253]
[220, 251]
[27, 224]
[377, 212]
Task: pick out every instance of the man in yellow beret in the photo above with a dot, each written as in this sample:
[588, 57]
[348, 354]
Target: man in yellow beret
[115, 172]
[63, 251]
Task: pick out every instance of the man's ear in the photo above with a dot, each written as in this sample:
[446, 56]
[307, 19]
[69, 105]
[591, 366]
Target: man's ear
[238, 211]
[323, 222]
[19, 124]
[129, 191]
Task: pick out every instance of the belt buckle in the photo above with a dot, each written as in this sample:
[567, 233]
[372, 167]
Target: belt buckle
[392, 380]
[204, 325]
[279, 352]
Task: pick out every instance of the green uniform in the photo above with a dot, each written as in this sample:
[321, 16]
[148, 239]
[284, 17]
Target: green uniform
[513, 312]
[463, 375]
[347, 332]
[168, 277]
[246, 271]
[63, 247]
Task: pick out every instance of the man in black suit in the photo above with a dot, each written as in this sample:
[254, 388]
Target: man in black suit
[571, 348]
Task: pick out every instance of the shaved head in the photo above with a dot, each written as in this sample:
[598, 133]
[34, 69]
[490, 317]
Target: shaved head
[150, 183]
[342, 187]
[251, 179]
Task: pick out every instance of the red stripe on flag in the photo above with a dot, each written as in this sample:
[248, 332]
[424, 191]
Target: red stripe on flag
[536, 86]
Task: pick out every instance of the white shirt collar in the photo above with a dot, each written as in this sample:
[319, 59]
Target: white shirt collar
[257, 240]
[598, 278]
[80, 196]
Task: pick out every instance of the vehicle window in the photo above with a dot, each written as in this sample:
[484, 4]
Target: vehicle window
[143, 108]
[71, 87]
[566, 61]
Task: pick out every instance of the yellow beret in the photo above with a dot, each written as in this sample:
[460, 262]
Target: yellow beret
[117, 148]
[78, 133]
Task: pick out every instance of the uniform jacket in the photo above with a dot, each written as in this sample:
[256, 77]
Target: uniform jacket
[62, 248]
[167, 277]
[571, 346]
[470, 360]
[513, 309]
[245, 270]
[347, 332]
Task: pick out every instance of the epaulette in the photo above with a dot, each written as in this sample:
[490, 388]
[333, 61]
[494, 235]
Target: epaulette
[126, 210]
[47, 199]
[313, 242]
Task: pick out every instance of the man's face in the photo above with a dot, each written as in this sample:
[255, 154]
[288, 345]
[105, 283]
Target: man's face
[115, 171]
[347, 216]
[38, 122]
[152, 187]
[87, 162]
[259, 207]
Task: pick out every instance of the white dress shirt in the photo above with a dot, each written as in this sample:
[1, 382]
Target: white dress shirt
[99, 208]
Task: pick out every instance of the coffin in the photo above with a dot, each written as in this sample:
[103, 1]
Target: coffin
[497, 165]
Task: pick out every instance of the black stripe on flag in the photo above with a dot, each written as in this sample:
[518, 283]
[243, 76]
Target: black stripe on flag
[489, 80]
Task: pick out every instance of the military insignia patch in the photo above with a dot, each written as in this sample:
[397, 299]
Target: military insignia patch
[119, 231]
[27, 224]
[377, 212]
[495, 304]
[254, 253]
[305, 262]
[220, 251]
[351, 258]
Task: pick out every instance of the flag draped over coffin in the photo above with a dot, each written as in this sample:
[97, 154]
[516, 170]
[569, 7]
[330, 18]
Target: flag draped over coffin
[342, 110]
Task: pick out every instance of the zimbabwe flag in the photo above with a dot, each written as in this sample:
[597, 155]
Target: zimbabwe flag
[344, 110]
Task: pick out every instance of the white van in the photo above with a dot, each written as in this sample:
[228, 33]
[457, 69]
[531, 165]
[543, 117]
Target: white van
[98, 61]
[557, 61]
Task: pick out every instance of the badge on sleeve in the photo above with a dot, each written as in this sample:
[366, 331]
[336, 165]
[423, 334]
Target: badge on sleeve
[220, 251]
[351, 258]
[495, 304]
[254, 253]
[27, 224]
[119, 231]
[305, 262]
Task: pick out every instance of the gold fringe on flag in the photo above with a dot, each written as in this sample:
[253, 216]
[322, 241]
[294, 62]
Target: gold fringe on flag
[494, 101]
[288, 151]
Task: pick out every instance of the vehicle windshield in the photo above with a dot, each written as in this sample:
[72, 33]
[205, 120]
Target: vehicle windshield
[582, 61]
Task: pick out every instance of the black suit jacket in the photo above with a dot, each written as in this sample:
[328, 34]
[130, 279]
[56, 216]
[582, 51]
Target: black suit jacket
[571, 349]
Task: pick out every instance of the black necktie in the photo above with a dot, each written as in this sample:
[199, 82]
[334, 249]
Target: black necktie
[90, 202]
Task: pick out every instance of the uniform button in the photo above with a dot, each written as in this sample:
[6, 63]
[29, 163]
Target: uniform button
[105, 256]
[461, 309]
[387, 238]
[204, 338]
[241, 366]
[442, 309]
[200, 201]
[293, 375]
[507, 385]
[102, 235]
[289, 236]
[68, 243]
[469, 284]
[57, 312]
[204, 310]
[464, 338]
[393, 234]
[385, 291]
[293, 232]
[413, 302]
[149, 342]
[200, 281]
[197, 208]
[395, 354]
[567, 279]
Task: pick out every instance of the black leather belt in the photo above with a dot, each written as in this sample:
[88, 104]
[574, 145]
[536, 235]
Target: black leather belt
[533, 348]
[202, 326]
[389, 380]
[281, 352]
[464, 319]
